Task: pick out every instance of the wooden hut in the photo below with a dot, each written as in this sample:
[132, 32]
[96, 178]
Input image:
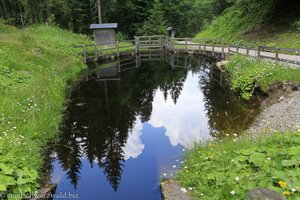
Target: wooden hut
[104, 33]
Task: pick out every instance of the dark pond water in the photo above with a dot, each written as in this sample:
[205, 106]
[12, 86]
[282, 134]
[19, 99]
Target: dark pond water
[129, 124]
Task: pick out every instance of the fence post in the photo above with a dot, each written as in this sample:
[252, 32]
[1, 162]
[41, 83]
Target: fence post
[228, 53]
[185, 41]
[222, 47]
[237, 49]
[204, 45]
[247, 51]
[258, 52]
[84, 53]
[199, 45]
[172, 43]
[149, 40]
[118, 49]
[213, 46]
[276, 54]
[96, 51]
[161, 42]
[136, 41]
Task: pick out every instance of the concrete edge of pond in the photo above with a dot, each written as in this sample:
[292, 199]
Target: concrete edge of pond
[171, 190]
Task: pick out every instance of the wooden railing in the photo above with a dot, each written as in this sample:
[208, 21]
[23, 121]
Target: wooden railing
[191, 45]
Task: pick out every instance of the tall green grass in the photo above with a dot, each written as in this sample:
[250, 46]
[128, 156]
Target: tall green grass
[35, 65]
[233, 23]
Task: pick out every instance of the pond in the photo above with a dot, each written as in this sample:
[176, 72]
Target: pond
[129, 123]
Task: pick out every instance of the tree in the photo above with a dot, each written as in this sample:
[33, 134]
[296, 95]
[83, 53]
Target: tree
[155, 23]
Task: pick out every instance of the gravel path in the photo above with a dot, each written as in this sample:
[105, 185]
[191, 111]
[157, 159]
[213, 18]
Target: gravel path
[282, 116]
[171, 190]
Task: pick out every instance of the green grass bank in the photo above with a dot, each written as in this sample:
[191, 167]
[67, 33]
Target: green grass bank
[229, 168]
[246, 74]
[35, 67]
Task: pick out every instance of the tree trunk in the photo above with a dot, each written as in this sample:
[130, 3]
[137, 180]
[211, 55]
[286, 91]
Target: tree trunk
[5, 13]
[21, 16]
[99, 11]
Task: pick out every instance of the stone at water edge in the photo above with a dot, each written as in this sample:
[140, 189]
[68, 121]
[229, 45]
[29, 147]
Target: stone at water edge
[171, 190]
[221, 64]
[264, 194]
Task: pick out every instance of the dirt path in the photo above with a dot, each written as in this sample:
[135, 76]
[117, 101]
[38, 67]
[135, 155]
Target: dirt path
[293, 60]
[281, 116]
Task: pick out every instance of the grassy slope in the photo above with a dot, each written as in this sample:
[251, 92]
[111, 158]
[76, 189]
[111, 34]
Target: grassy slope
[35, 65]
[240, 28]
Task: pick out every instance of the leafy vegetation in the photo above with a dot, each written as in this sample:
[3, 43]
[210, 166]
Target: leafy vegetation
[247, 73]
[229, 168]
[155, 24]
[35, 65]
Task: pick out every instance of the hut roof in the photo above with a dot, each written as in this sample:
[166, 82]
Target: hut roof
[103, 26]
[170, 28]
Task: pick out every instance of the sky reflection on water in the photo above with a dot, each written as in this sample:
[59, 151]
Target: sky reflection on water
[127, 126]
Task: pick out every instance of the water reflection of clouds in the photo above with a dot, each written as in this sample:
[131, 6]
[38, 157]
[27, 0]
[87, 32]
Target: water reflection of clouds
[134, 145]
[185, 121]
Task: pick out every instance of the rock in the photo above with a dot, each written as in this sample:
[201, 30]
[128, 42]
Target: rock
[264, 194]
[171, 190]
[37, 52]
[281, 98]
[221, 64]
[45, 193]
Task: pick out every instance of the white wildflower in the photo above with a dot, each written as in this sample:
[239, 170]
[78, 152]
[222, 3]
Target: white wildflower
[183, 190]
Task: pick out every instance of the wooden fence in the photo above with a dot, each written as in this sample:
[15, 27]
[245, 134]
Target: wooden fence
[212, 46]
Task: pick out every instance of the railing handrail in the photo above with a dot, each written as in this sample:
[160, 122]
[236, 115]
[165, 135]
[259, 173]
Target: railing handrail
[200, 44]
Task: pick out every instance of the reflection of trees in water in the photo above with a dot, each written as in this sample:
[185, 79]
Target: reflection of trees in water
[226, 114]
[98, 123]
